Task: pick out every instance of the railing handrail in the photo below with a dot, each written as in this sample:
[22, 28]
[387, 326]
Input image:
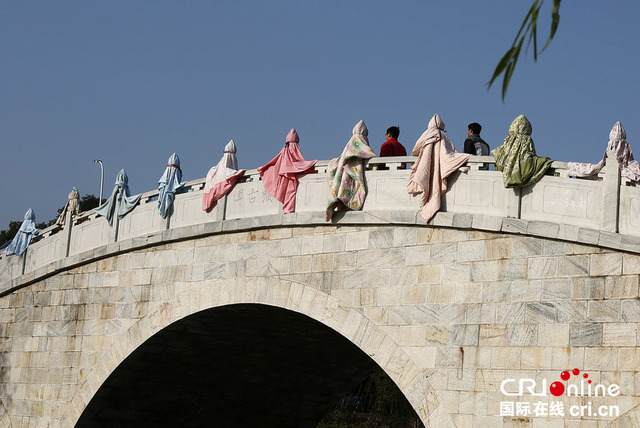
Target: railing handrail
[374, 165]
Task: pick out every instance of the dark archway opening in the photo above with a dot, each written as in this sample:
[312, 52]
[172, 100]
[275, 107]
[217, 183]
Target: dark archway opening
[234, 366]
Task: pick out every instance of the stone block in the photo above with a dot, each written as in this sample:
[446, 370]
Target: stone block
[556, 289]
[334, 243]
[424, 357]
[588, 236]
[630, 310]
[444, 253]
[471, 251]
[345, 261]
[429, 274]
[291, 247]
[413, 295]
[621, 287]
[468, 293]
[605, 264]
[441, 293]
[553, 334]
[493, 335]
[322, 262]
[514, 225]
[591, 288]
[604, 311]
[437, 335]
[630, 264]
[405, 236]
[484, 271]
[505, 358]
[527, 246]
[498, 248]
[391, 257]
[628, 359]
[495, 291]
[585, 335]
[526, 291]
[429, 235]
[311, 245]
[418, 255]
[568, 232]
[543, 228]
[404, 276]
[542, 267]
[617, 334]
[301, 264]
[571, 311]
[573, 265]
[486, 222]
[600, 359]
[465, 335]
[382, 238]
[541, 312]
[510, 313]
[456, 273]
[512, 269]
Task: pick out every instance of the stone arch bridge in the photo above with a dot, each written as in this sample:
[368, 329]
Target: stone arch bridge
[502, 284]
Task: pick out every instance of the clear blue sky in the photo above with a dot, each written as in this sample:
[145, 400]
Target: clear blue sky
[130, 82]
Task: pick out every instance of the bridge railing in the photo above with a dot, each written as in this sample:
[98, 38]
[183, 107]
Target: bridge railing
[610, 203]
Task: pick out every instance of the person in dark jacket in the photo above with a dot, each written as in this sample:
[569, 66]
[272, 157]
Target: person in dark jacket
[392, 147]
[474, 144]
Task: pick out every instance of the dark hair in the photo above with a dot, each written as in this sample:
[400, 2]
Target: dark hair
[475, 128]
[394, 131]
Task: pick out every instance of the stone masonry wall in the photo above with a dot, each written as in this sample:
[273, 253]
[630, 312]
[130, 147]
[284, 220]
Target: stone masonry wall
[448, 313]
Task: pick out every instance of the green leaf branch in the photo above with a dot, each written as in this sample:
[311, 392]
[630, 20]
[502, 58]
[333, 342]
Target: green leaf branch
[528, 30]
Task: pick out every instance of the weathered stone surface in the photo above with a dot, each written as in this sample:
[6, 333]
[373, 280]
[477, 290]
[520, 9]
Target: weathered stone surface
[453, 312]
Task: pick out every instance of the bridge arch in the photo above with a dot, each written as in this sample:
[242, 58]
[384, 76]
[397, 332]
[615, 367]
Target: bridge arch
[298, 298]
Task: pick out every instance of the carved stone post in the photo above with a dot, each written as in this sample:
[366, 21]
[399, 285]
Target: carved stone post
[113, 233]
[611, 193]
[68, 222]
[513, 202]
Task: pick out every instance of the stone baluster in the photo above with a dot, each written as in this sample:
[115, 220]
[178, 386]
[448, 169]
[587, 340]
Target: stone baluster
[513, 202]
[611, 193]
[68, 224]
[113, 233]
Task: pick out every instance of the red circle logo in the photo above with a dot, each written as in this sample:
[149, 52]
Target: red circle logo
[557, 389]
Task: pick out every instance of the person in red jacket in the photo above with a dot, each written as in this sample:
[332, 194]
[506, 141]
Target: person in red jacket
[392, 147]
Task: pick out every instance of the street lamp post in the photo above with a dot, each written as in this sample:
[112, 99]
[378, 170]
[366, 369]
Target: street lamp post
[101, 179]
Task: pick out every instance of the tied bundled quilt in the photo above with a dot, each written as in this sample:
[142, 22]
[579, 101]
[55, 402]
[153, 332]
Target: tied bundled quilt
[347, 186]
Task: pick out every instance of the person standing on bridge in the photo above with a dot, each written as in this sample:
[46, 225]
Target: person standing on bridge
[221, 178]
[437, 160]
[474, 145]
[347, 187]
[517, 158]
[280, 175]
[392, 146]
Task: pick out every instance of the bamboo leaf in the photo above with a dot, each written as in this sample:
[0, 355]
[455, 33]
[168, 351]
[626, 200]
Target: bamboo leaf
[508, 73]
[502, 64]
[528, 30]
[526, 19]
[555, 20]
